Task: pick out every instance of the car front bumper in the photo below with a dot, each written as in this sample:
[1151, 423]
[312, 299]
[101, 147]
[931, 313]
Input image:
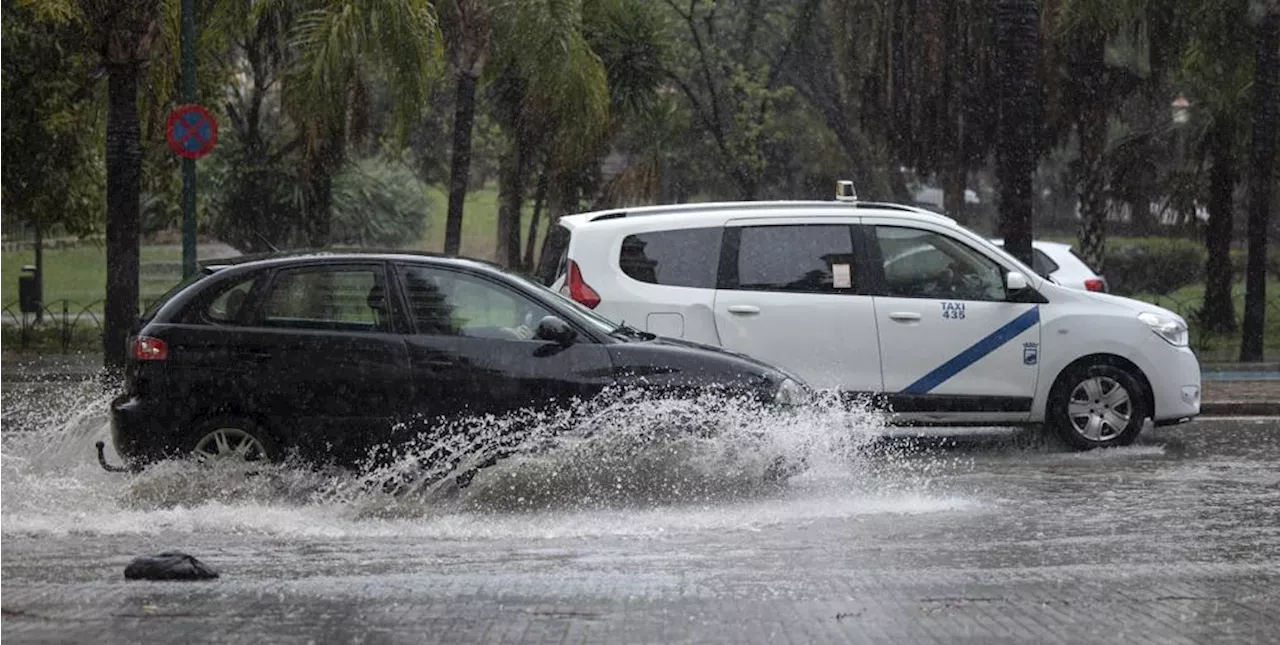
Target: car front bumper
[1174, 375]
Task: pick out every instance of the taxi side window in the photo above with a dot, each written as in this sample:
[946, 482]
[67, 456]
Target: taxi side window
[1041, 264]
[796, 258]
[924, 264]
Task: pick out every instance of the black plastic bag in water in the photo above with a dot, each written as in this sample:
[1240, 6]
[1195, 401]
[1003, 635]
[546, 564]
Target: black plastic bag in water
[170, 565]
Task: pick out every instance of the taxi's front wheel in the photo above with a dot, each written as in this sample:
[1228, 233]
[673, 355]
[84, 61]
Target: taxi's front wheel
[1097, 406]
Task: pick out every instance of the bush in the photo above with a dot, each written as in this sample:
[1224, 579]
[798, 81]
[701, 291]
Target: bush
[1153, 266]
[378, 202]
[1240, 259]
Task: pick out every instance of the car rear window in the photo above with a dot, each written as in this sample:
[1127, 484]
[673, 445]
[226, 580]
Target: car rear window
[154, 306]
[680, 258]
[555, 254]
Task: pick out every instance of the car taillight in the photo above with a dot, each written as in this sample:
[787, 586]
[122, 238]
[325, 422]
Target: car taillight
[579, 290]
[1094, 284]
[146, 348]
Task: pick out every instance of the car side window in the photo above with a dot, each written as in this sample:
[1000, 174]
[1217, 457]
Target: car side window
[449, 303]
[679, 258]
[346, 298]
[924, 264]
[799, 258]
[228, 305]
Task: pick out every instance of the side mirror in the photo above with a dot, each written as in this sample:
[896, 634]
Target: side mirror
[553, 329]
[1015, 281]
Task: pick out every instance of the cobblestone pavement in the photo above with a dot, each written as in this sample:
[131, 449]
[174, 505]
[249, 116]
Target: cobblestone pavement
[982, 540]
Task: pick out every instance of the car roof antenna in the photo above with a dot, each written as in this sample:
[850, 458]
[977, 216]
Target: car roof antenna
[264, 239]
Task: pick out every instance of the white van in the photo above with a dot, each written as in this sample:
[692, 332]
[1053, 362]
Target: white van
[899, 303]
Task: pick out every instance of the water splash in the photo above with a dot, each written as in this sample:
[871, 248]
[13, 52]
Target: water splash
[624, 455]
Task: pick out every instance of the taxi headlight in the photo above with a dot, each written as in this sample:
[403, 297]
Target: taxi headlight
[1172, 329]
[790, 393]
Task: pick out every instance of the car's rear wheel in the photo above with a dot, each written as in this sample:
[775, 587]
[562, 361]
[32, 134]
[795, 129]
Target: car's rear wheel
[230, 439]
[1096, 406]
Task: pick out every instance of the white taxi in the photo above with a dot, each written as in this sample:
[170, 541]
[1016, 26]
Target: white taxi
[892, 302]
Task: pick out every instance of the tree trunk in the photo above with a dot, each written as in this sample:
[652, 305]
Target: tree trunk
[1092, 128]
[321, 164]
[1218, 313]
[464, 113]
[1262, 158]
[510, 197]
[539, 199]
[124, 175]
[1017, 35]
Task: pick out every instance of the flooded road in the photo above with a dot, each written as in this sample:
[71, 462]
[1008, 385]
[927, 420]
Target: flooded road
[993, 537]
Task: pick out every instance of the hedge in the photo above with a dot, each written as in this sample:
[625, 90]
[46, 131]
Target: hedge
[1156, 266]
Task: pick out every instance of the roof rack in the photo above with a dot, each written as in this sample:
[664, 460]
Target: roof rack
[670, 209]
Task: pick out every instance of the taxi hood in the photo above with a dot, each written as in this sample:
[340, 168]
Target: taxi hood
[1059, 293]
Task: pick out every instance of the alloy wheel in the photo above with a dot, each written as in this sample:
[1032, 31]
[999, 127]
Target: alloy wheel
[229, 444]
[1100, 408]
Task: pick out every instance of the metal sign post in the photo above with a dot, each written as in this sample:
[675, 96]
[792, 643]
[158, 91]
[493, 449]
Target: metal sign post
[188, 163]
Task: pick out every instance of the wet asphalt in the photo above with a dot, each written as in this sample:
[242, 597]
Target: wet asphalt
[986, 537]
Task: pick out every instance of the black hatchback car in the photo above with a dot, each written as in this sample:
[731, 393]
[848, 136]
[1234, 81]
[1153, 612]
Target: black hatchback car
[326, 354]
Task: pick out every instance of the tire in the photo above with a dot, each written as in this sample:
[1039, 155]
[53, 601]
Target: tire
[1097, 406]
[231, 438]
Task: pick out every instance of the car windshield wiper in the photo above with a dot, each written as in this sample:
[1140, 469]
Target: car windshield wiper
[631, 332]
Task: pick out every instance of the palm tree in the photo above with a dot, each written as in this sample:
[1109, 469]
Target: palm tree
[338, 43]
[546, 79]
[1262, 157]
[1017, 38]
[1217, 69]
[468, 35]
[1089, 90]
[626, 35]
[122, 32]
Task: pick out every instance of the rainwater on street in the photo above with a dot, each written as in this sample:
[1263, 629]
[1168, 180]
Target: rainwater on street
[991, 536]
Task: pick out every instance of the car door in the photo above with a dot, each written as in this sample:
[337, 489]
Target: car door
[954, 346]
[789, 292]
[473, 353]
[332, 371]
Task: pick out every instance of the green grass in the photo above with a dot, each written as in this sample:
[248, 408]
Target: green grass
[79, 274]
[479, 222]
[1223, 347]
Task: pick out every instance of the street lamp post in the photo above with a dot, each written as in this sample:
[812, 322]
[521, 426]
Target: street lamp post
[1180, 111]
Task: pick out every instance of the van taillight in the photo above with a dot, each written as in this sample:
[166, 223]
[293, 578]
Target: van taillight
[579, 290]
[1094, 284]
[146, 348]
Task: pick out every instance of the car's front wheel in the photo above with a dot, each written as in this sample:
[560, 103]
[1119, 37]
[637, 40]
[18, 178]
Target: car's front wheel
[1096, 406]
[230, 439]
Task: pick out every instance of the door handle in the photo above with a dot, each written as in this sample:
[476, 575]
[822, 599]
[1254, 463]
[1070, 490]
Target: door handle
[441, 362]
[744, 309]
[905, 316]
[256, 356]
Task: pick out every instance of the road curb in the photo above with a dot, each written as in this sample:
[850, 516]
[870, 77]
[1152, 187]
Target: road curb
[1240, 408]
